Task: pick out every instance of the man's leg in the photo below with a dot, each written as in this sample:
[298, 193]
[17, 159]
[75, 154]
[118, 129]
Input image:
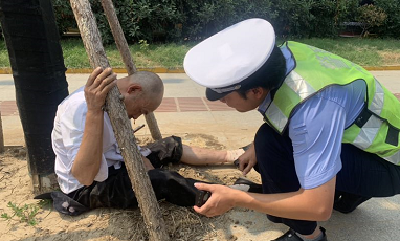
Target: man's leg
[171, 149]
[363, 175]
[276, 165]
[173, 187]
[164, 151]
[117, 191]
[201, 156]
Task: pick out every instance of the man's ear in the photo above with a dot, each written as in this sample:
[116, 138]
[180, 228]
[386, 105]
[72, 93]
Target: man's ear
[258, 92]
[134, 87]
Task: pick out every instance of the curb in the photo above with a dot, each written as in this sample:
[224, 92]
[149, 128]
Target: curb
[179, 70]
[372, 68]
[123, 70]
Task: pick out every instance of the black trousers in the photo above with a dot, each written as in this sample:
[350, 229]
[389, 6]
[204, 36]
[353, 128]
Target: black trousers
[116, 191]
[362, 174]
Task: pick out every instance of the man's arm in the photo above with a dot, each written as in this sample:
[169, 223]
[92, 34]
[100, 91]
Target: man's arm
[314, 204]
[88, 159]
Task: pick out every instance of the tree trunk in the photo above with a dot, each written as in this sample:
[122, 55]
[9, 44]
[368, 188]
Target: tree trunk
[121, 125]
[123, 48]
[36, 58]
[1, 136]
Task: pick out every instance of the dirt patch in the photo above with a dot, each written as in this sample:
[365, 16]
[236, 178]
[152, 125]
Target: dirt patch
[110, 224]
[199, 140]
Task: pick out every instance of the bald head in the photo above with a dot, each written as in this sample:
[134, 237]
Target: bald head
[143, 92]
[150, 82]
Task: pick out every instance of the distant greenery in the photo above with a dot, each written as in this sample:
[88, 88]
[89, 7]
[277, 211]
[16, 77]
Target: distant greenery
[4, 62]
[161, 21]
[177, 20]
[365, 52]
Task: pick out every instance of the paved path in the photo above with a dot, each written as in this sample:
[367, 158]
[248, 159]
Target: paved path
[185, 110]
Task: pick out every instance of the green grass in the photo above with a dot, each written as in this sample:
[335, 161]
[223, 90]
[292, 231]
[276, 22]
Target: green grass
[144, 55]
[25, 213]
[365, 52]
[4, 62]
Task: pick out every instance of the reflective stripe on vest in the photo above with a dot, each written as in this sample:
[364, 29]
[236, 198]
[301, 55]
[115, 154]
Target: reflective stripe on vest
[371, 128]
[373, 134]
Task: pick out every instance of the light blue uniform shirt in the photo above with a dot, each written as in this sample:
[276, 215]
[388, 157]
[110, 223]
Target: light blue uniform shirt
[316, 128]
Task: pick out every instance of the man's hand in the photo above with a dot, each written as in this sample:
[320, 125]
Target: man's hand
[221, 201]
[147, 163]
[247, 160]
[100, 82]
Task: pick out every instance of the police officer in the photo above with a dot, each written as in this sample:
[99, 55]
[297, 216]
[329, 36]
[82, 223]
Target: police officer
[331, 133]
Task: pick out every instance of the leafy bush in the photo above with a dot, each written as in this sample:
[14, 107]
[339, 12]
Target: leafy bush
[323, 23]
[293, 17]
[309, 18]
[370, 16]
[204, 18]
[142, 19]
[178, 20]
[392, 23]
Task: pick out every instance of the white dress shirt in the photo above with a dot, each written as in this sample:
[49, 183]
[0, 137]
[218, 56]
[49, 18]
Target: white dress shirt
[67, 135]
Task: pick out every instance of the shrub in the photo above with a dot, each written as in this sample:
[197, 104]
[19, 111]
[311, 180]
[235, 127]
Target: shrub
[204, 18]
[177, 20]
[293, 17]
[392, 24]
[143, 19]
[370, 16]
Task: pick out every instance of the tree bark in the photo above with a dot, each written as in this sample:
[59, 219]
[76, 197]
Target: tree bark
[1, 136]
[123, 48]
[36, 58]
[121, 125]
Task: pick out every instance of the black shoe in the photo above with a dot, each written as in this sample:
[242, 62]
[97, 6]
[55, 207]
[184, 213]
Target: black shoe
[291, 236]
[347, 202]
[253, 187]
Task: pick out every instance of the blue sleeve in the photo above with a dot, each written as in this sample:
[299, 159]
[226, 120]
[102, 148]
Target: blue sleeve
[316, 130]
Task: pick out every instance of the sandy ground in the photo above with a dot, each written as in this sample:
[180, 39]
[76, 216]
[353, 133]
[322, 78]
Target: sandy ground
[110, 224]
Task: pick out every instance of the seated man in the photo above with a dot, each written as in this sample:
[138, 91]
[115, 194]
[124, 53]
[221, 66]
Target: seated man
[89, 165]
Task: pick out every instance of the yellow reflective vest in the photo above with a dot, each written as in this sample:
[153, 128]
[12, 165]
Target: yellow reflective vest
[375, 130]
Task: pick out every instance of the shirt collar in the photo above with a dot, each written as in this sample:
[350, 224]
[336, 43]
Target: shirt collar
[290, 64]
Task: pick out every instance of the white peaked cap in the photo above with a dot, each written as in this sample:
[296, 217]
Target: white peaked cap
[230, 56]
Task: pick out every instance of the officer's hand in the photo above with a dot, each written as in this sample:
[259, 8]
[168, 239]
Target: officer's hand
[247, 160]
[100, 82]
[222, 199]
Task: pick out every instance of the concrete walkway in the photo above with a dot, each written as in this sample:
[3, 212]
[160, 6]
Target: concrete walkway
[185, 110]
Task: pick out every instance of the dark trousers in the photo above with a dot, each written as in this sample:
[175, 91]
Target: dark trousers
[362, 174]
[117, 191]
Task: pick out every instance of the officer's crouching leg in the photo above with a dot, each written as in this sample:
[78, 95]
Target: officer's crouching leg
[276, 165]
